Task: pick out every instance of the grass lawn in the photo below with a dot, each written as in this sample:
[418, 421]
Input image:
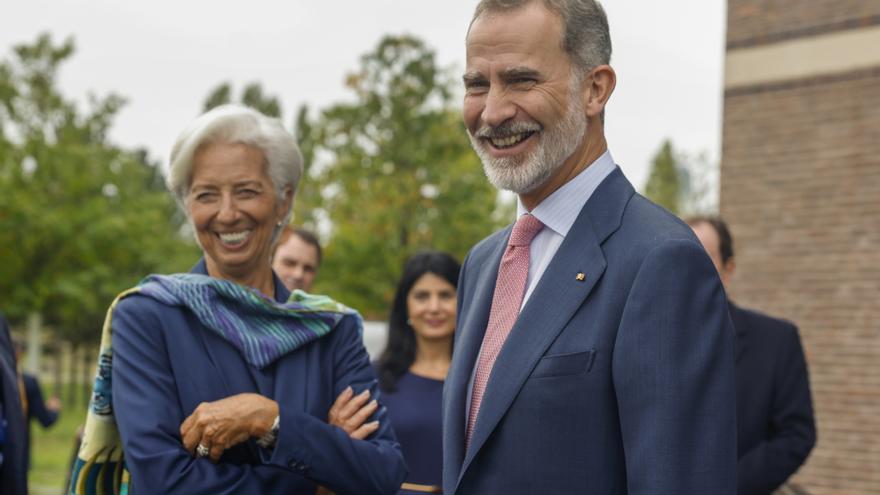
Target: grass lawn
[51, 450]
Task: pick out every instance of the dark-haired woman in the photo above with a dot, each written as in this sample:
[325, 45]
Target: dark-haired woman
[414, 363]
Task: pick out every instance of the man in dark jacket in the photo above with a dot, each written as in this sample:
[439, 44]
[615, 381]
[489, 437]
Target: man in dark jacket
[774, 411]
[46, 412]
[13, 456]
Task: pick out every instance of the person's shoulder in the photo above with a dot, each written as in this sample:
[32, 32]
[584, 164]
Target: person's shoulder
[490, 242]
[140, 313]
[138, 304]
[649, 232]
[480, 253]
[767, 325]
[30, 381]
[645, 219]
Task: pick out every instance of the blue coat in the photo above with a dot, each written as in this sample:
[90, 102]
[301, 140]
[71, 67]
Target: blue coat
[774, 411]
[165, 363]
[622, 382]
[13, 456]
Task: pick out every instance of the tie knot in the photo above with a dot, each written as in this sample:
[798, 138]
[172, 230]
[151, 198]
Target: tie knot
[525, 229]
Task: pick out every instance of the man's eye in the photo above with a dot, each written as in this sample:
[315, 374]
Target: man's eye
[520, 81]
[476, 87]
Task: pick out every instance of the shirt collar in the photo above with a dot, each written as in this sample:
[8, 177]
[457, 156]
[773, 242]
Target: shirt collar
[559, 210]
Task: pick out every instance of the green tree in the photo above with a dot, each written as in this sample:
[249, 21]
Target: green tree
[393, 172]
[664, 185]
[252, 96]
[80, 218]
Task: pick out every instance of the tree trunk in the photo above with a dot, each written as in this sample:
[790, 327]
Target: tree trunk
[58, 358]
[34, 329]
[72, 374]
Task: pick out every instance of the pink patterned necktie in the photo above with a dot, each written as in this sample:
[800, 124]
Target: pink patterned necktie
[506, 301]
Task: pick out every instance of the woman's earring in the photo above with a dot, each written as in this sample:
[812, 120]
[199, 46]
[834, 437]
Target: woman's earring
[409, 322]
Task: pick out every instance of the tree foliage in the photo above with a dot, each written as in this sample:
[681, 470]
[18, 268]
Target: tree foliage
[252, 96]
[81, 219]
[664, 185]
[683, 183]
[391, 172]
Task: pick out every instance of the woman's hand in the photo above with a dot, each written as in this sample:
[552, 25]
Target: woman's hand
[225, 423]
[349, 412]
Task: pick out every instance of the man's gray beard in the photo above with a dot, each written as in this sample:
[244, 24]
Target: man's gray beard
[523, 174]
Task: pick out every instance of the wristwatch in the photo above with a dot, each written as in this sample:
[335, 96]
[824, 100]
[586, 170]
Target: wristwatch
[268, 439]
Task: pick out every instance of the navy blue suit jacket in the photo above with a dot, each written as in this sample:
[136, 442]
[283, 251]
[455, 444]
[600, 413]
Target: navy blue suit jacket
[620, 383]
[165, 363]
[774, 412]
[13, 467]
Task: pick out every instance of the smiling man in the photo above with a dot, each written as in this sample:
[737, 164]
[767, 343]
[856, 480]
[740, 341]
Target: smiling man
[297, 258]
[594, 352]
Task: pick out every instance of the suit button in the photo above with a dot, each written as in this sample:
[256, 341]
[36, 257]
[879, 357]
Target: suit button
[298, 466]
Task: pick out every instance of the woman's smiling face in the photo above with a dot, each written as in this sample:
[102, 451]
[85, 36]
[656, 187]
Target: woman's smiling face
[233, 208]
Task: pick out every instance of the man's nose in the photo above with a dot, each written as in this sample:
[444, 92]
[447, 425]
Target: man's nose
[499, 108]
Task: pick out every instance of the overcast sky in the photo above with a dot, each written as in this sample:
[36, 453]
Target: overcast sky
[164, 56]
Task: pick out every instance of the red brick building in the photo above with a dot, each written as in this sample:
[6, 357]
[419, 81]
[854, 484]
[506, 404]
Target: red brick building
[800, 186]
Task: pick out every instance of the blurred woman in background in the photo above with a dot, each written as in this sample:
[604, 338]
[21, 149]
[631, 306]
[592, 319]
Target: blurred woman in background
[415, 361]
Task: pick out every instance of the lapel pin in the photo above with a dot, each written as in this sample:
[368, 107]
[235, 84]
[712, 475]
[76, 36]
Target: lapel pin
[580, 277]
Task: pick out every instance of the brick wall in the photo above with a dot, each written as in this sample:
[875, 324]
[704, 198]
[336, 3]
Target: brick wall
[800, 186]
[751, 22]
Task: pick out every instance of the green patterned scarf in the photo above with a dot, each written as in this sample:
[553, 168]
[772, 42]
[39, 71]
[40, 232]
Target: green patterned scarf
[261, 328]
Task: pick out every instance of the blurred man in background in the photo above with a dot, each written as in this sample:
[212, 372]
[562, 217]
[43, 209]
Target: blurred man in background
[33, 405]
[774, 411]
[297, 258]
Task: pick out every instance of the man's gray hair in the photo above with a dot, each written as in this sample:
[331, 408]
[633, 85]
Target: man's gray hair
[585, 35]
[236, 124]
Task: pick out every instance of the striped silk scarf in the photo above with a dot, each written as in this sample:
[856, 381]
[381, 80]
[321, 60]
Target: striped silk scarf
[262, 329]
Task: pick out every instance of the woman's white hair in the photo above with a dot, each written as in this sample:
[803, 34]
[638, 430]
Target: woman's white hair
[236, 124]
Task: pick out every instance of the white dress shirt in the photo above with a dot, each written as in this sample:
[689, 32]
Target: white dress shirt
[558, 212]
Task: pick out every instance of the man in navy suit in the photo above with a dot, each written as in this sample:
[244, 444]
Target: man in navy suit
[774, 411]
[13, 456]
[608, 367]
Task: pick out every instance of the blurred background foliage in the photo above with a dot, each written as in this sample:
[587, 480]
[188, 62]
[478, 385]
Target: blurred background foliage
[389, 172]
[81, 219]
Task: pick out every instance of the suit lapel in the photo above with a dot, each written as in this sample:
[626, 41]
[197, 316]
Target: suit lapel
[555, 299]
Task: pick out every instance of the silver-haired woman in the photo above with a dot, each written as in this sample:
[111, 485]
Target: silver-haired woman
[222, 381]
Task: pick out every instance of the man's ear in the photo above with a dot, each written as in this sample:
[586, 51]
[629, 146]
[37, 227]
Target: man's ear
[727, 271]
[598, 86]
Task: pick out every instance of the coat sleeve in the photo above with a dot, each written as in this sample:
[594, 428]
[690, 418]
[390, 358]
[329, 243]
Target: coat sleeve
[36, 405]
[792, 429]
[326, 453]
[673, 373]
